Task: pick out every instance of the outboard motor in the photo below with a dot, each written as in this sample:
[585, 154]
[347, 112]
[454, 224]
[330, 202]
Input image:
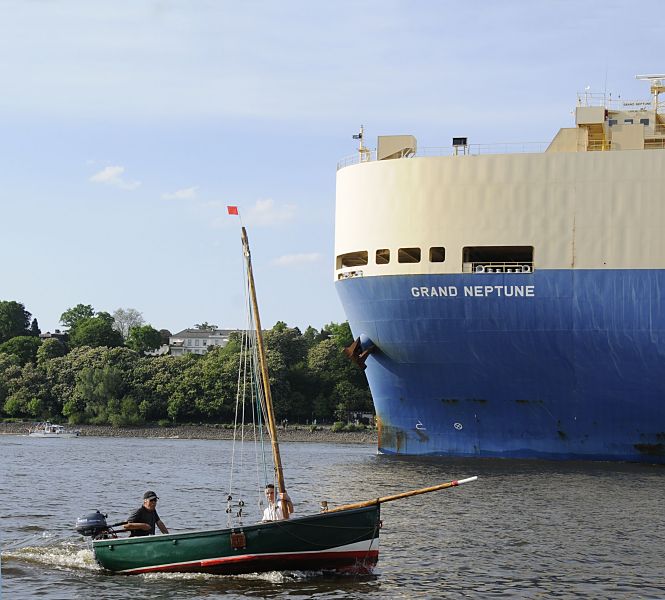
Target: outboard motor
[92, 525]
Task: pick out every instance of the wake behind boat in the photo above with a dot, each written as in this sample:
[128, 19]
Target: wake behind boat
[345, 538]
[51, 430]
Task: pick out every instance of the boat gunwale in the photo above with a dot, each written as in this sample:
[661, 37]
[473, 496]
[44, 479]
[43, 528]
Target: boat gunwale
[206, 532]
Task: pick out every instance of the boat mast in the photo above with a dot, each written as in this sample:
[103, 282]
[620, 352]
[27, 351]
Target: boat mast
[264, 374]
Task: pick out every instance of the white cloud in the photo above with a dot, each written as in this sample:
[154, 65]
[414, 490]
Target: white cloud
[290, 260]
[215, 204]
[266, 213]
[112, 175]
[184, 194]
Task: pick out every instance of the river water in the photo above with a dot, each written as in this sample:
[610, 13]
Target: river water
[525, 529]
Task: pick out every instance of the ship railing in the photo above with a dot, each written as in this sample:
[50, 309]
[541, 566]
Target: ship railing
[606, 101]
[599, 145]
[606, 145]
[353, 159]
[475, 149]
[470, 149]
[483, 267]
[350, 274]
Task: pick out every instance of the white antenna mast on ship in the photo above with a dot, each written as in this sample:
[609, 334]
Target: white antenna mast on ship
[657, 87]
[363, 151]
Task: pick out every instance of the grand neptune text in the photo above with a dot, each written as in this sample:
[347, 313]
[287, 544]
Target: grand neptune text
[450, 291]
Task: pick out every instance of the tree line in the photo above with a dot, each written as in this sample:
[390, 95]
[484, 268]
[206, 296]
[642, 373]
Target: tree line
[99, 373]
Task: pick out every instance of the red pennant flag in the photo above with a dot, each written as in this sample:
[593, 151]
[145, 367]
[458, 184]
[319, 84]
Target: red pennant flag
[233, 210]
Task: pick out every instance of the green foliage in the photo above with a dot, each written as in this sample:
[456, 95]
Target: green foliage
[343, 426]
[24, 347]
[340, 333]
[349, 398]
[63, 374]
[34, 328]
[27, 392]
[14, 320]
[72, 316]
[96, 395]
[152, 381]
[106, 317]
[286, 341]
[280, 385]
[95, 331]
[304, 387]
[355, 427]
[50, 348]
[100, 381]
[310, 336]
[143, 338]
[124, 413]
[9, 369]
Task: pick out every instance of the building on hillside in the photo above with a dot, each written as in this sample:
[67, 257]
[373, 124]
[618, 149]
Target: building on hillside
[161, 351]
[63, 336]
[197, 341]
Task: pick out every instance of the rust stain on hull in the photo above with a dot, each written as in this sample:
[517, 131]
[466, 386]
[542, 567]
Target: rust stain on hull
[650, 449]
[390, 438]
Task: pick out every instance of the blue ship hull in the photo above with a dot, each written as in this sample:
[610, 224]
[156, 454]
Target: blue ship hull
[572, 367]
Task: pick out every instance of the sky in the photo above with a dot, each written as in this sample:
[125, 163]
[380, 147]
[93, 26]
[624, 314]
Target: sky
[128, 126]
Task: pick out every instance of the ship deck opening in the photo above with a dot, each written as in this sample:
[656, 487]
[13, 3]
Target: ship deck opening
[497, 259]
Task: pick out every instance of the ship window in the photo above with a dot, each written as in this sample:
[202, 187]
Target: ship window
[352, 259]
[612, 122]
[383, 256]
[644, 122]
[628, 121]
[408, 255]
[437, 254]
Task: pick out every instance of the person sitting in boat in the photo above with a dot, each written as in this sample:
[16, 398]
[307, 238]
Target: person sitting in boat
[273, 511]
[143, 520]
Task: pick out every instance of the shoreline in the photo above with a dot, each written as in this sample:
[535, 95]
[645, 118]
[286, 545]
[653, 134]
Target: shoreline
[293, 433]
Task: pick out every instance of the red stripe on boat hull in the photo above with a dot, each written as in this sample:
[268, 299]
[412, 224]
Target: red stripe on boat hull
[361, 561]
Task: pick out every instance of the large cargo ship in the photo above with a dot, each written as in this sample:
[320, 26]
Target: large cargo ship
[513, 298]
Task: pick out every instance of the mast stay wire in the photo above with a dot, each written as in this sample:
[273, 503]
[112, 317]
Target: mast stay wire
[260, 396]
[241, 391]
[248, 382]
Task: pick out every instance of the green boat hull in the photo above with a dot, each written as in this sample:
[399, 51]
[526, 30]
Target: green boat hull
[338, 541]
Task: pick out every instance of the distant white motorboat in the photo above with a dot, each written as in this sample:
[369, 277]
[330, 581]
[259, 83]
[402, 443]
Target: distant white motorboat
[50, 430]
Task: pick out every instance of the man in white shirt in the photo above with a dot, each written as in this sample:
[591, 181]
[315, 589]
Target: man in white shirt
[273, 511]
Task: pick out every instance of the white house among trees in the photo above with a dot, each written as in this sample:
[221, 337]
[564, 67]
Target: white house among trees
[197, 341]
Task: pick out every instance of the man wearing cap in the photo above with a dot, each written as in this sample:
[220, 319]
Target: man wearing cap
[143, 520]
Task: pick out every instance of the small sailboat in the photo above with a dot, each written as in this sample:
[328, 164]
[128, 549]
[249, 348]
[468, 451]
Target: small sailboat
[345, 538]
